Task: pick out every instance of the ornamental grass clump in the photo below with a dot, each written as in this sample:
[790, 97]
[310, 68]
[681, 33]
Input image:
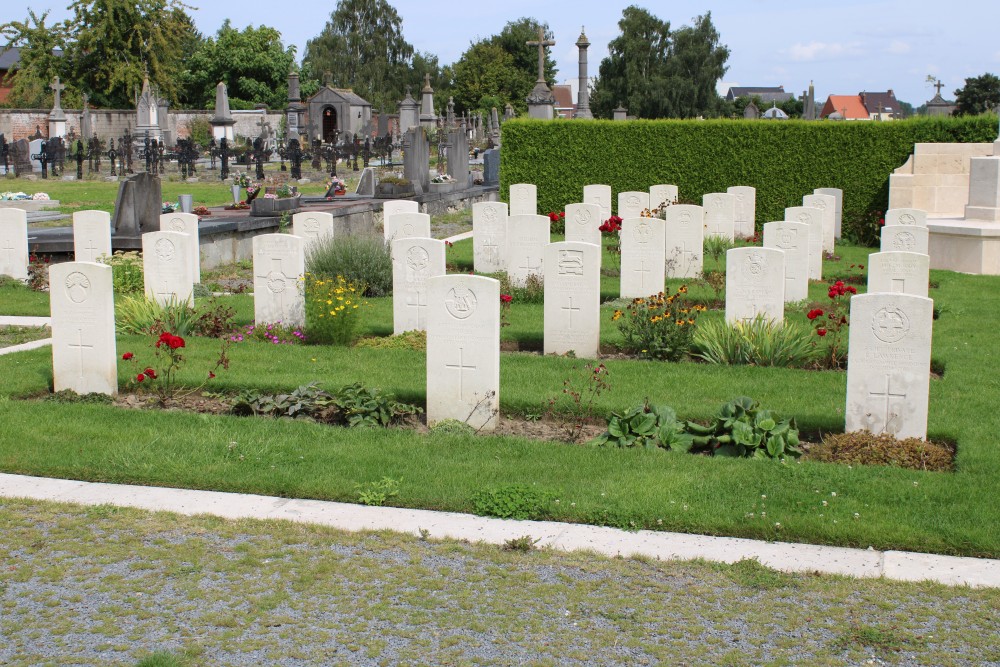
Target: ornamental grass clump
[362, 260]
[757, 342]
[333, 309]
[126, 271]
[659, 327]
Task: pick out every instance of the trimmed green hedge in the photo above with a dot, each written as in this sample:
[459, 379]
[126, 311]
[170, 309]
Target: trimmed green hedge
[783, 160]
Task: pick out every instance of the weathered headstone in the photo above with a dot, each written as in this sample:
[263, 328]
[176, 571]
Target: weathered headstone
[898, 273]
[463, 350]
[720, 214]
[583, 223]
[828, 205]
[814, 218]
[138, 205]
[166, 267]
[91, 235]
[523, 199]
[414, 260]
[416, 158]
[82, 303]
[366, 185]
[14, 243]
[572, 298]
[491, 166]
[662, 194]
[406, 226]
[527, 236]
[600, 195]
[838, 195]
[186, 223]
[643, 242]
[489, 236]
[912, 217]
[632, 204]
[888, 364]
[792, 238]
[313, 227]
[684, 233]
[904, 238]
[755, 284]
[278, 267]
[746, 209]
[20, 152]
[394, 206]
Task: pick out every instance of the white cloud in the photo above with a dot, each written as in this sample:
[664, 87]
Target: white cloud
[823, 50]
[898, 47]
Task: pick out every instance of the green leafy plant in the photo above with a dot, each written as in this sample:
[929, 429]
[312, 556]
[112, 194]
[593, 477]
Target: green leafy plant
[361, 406]
[524, 544]
[361, 260]
[742, 429]
[126, 271]
[333, 309]
[214, 319]
[531, 291]
[659, 326]
[831, 325]
[409, 340]
[648, 426]
[377, 493]
[135, 314]
[307, 400]
[716, 246]
[575, 405]
[757, 342]
[453, 427]
[515, 501]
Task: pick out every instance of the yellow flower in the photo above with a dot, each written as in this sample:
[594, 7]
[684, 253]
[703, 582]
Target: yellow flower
[656, 318]
[679, 323]
[690, 320]
[683, 289]
[329, 303]
[617, 316]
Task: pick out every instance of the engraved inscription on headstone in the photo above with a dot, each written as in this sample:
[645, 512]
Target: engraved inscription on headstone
[793, 239]
[84, 356]
[489, 236]
[572, 298]
[755, 284]
[414, 261]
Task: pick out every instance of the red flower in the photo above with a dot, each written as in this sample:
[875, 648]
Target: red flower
[506, 298]
[151, 373]
[127, 356]
[820, 332]
[176, 342]
[814, 313]
[852, 289]
[140, 377]
[448, 244]
[211, 375]
[881, 222]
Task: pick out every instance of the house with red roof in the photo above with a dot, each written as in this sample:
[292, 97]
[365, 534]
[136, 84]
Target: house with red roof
[863, 106]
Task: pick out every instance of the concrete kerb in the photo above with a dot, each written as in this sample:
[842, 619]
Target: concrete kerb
[787, 557]
[18, 321]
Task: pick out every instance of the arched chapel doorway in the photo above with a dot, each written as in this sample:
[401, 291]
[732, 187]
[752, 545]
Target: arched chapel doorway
[330, 129]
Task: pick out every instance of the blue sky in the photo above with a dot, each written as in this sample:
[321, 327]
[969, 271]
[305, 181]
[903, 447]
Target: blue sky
[844, 46]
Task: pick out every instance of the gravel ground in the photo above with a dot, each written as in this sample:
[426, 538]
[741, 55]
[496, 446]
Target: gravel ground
[108, 586]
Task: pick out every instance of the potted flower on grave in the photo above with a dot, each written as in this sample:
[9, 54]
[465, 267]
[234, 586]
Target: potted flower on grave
[240, 180]
[335, 187]
[394, 187]
[284, 198]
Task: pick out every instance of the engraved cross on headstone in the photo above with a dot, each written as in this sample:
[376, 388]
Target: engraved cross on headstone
[529, 266]
[80, 347]
[888, 396]
[755, 310]
[491, 249]
[461, 368]
[10, 251]
[569, 309]
[91, 247]
[419, 303]
[165, 293]
[541, 43]
[58, 88]
[642, 270]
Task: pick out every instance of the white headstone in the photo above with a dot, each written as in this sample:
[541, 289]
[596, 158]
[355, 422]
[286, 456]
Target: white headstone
[643, 243]
[755, 284]
[898, 273]
[746, 209]
[489, 236]
[632, 204]
[166, 267]
[313, 227]
[406, 226]
[573, 298]
[888, 364]
[413, 262]
[527, 236]
[912, 217]
[792, 238]
[523, 199]
[828, 205]
[186, 223]
[814, 218]
[837, 194]
[463, 350]
[684, 234]
[904, 238]
[720, 214]
[34, 148]
[662, 194]
[396, 206]
[600, 195]
[583, 223]
[82, 303]
[278, 268]
[14, 243]
[91, 235]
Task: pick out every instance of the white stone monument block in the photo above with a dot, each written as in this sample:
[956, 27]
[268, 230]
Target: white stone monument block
[489, 236]
[838, 195]
[904, 238]
[397, 206]
[583, 223]
[898, 273]
[14, 243]
[684, 234]
[527, 236]
[600, 195]
[314, 227]
[523, 199]
[632, 204]
[82, 303]
[166, 267]
[406, 226]
[643, 243]
[186, 223]
[662, 194]
[814, 218]
[912, 217]
[91, 235]
[828, 205]
[792, 238]
[746, 209]
[720, 214]
[573, 298]
[278, 290]
[755, 284]
[413, 262]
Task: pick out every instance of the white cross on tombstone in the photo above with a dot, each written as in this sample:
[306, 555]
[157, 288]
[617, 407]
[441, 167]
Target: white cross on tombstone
[461, 368]
[642, 270]
[165, 292]
[80, 347]
[10, 251]
[530, 265]
[569, 309]
[888, 395]
[420, 304]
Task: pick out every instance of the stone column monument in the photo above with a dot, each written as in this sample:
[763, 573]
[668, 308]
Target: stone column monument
[57, 117]
[583, 96]
[428, 119]
[222, 122]
[541, 103]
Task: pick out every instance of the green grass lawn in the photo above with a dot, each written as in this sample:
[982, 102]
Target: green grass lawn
[886, 508]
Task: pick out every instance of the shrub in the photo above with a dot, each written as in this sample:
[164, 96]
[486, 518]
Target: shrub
[332, 309]
[214, 320]
[136, 314]
[532, 291]
[200, 130]
[408, 340]
[362, 260]
[759, 342]
[658, 326]
[126, 271]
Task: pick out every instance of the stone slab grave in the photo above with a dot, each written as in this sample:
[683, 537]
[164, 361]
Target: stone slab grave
[838, 196]
[14, 243]
[828, 205]
[366, 186]
[936, 178]
[643, 242]
[888, 364]
[166, 267]
[527, 236]
[755, 284]
[720, 214]
[813, 217]
[572, 298]
[186, 223]
[746, 210]
[138, 205]
[82, 303]
[912, 217]
[91, 235]
[684, 239]
[663, 193]
[463, 350]
[599, 195]
[413, 262]
[792, 238]
[278, 267]
[583, 223]
[523, 199]
[904, 238]
[406, 226]
[984, 189]
[899, 273]
[489, 236]
[632, 204]
[395, 206]
[313, 227]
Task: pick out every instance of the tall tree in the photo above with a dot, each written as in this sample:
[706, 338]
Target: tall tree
[697, 61]
[362, 47]
[38, 63]
[980, 94]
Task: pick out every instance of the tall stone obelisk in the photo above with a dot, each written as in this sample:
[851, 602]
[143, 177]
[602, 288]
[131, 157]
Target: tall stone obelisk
[583, 96]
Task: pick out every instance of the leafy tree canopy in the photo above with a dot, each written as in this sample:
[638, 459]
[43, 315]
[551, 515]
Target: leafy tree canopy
[38, 64]
[981, 94]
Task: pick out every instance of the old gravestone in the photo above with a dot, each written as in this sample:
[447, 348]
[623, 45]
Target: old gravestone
[395, 206]
[583, 223]
[491, 167]
[14, 243]
[662, 194]
[84, 357]
[814, 218]
[828, 205]
[684, 234]
[523, 199]
[463, 350]
[913, 217]
[20, 152]
[755, 284]
[414, 261]
[599, 195]
[904, 238]
[313, 227]
[720, 214]
[746, 209]
[642, 241]
[898, 273]
[366, 185]
[632, 204]
[278, 267]
[489, 236]
[572, 298]
[138, 206]
[406, 226]
[91, 235]
[185, 223]
[792, 238]
[888, 364]
[527, 236]
[838, 195]
[166, 267]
